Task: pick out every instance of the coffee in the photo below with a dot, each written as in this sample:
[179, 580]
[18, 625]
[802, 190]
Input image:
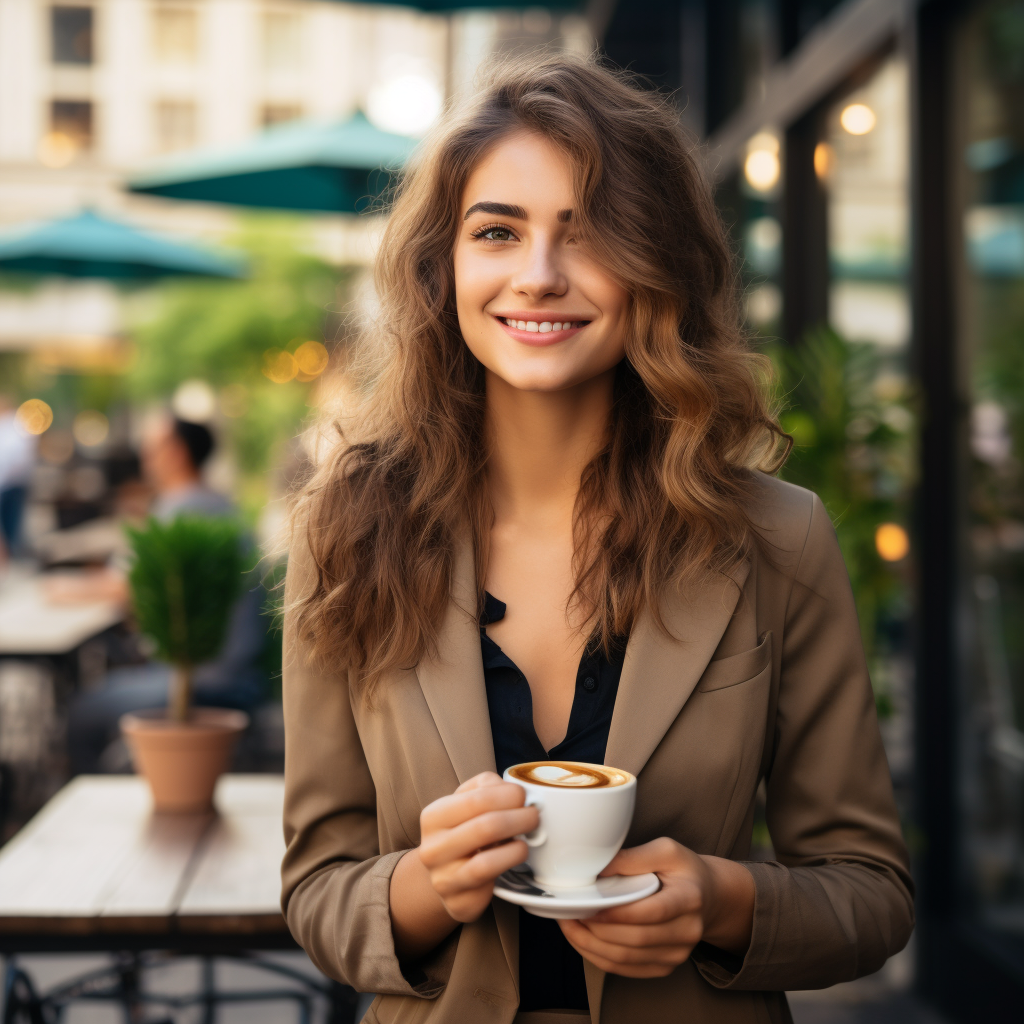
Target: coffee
[569, 774]
[585, 812]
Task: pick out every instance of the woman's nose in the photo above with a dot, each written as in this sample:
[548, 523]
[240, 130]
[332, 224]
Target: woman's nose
[539, 273]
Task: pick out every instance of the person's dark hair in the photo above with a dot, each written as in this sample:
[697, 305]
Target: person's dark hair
[666, 499]
[196, 438]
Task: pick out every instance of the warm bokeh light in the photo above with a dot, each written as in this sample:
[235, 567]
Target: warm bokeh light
[90, 428]
[824, 161]
[311, 358]
[761, 167]
[57, 150]
[762, 170]
[194, 401]
[279, 366]
[892, 542]
[857, 118]
[35, 416]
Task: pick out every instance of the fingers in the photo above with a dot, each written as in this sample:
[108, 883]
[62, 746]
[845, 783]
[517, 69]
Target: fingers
[466, 803]
[451, 844]
[633, 962]
[676, 898]
[482, 780]
[477, 871]
[685, 931]
[659, 855]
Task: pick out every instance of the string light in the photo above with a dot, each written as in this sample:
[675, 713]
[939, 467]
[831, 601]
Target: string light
[892, 542]
[857, 118]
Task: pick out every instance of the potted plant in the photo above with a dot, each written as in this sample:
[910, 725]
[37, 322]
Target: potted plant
[184, 580]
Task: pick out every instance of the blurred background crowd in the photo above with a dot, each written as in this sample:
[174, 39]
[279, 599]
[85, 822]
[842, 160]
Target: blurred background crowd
[190, 200]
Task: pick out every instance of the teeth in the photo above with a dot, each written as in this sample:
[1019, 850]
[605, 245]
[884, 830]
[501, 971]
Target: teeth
[543, 327]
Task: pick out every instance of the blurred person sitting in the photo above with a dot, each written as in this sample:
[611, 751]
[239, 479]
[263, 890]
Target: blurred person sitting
[17, 458]
[173, 454]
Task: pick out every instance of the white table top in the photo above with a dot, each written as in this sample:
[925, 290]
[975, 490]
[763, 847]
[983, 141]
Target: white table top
[96, 859]
[30, 624]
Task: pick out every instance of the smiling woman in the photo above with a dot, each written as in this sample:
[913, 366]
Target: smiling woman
[549, 530]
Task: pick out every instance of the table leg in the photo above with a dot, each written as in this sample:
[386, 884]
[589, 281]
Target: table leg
[21, 1001]
[128, 979]
[209, 991]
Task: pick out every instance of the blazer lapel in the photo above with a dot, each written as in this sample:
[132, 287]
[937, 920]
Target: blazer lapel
[452, 681]
[660, 672]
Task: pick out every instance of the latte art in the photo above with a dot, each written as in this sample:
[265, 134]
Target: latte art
[569, 774]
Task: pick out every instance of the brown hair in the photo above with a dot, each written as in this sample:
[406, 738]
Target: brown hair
[662, 503]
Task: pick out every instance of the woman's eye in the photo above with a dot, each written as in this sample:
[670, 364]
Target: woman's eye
[495, 234]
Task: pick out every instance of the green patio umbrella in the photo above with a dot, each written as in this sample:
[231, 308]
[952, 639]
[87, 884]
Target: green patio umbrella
[87, 244]
[338, 167]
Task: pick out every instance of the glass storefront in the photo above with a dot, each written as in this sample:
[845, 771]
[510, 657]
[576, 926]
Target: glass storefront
[991, 148]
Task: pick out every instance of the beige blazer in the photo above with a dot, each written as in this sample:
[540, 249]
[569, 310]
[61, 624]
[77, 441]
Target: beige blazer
[763, 678]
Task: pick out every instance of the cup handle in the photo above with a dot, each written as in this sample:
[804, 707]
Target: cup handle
[538, 836]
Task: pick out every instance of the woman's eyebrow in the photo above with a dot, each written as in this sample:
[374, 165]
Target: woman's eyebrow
[508, 210]
[498, 209]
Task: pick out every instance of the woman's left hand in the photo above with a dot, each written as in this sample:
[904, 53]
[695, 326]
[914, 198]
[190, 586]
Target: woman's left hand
[701, 898]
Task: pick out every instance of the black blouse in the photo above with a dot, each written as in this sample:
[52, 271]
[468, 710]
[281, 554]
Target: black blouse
[550, 970]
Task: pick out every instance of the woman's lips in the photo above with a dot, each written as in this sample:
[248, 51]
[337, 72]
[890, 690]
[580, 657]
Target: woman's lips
[543, 332]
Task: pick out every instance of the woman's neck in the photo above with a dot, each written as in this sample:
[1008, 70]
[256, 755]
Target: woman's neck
[541, 442]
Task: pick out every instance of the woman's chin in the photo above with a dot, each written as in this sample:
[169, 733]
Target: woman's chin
[542, 380]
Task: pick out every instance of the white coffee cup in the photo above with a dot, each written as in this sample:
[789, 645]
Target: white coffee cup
[582, 826]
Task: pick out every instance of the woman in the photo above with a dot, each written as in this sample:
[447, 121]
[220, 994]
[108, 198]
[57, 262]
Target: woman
[552, 536]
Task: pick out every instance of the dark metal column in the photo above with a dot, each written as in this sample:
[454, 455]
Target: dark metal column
[965, 969]
[805, 273]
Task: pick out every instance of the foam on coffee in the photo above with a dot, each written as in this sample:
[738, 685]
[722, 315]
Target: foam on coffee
[569, 774]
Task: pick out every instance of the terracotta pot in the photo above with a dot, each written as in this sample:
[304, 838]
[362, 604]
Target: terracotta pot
[182, 761]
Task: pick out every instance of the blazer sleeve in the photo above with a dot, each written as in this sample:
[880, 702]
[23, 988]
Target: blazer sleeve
[335, 882]
[838, 900]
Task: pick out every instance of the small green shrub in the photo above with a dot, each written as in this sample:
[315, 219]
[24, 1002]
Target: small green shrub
[184, 581]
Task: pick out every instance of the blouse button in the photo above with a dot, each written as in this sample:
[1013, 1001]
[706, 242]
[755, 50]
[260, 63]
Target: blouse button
[590, 684]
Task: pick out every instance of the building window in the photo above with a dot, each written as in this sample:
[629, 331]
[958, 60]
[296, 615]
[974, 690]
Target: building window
[282, 41]
[71, 35]
[278, 113]
[991, 161]
[71, 132]
[176, 125]
[175, 34]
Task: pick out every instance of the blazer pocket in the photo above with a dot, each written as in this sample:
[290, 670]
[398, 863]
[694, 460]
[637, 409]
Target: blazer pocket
[739, 668]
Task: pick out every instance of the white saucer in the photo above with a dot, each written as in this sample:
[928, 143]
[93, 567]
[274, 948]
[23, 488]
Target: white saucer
[518, 886]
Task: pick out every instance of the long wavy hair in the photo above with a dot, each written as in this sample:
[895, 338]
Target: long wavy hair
[666, 499]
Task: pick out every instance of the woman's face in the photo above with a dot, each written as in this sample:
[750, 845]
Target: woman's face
[533, 306]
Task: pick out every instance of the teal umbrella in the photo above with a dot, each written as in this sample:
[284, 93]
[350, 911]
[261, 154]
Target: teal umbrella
[89, 245]
[339, 167]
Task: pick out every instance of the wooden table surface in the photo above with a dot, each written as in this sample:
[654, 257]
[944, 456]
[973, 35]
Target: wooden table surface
[96, 863]
[32, 625]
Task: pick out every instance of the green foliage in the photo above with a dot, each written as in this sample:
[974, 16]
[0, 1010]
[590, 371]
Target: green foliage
[185, 578]
[220, 331]
[851, 429]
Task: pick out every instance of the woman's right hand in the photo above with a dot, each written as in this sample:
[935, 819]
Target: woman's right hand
[467, 841]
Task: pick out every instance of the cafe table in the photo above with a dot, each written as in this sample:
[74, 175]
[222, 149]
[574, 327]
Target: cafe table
[96, 870]
[32, 625]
